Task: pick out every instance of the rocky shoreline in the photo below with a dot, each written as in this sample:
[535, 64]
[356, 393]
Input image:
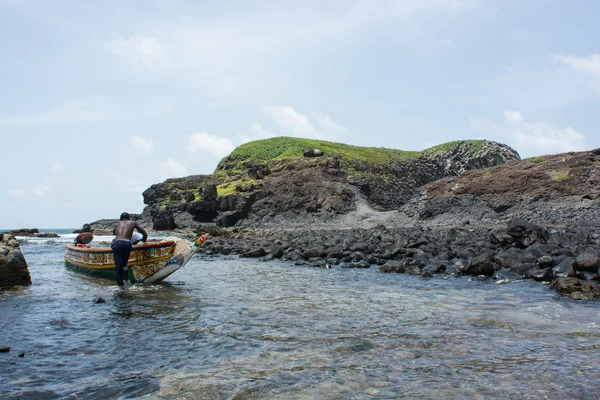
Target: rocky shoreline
[564, 257]
[462, 208]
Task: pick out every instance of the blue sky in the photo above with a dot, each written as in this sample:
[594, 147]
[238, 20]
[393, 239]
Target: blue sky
[100, 99]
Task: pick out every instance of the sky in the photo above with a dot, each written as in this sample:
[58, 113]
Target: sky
[101, 99]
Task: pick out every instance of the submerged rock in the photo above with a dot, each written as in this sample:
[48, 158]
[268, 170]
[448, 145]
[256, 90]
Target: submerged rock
[576, 288]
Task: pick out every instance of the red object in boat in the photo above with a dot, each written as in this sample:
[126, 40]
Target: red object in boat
[84, 238]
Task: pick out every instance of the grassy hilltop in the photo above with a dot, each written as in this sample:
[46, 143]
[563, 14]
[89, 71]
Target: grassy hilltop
[277, 149]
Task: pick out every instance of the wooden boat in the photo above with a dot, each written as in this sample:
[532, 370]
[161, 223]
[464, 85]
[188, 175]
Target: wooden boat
[148, 263]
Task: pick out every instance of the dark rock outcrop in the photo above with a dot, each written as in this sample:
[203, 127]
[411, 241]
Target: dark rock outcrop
[314, 189]
[84, 228]
[559, 188]
[33, 232]
[27, 232]
[13, 267]
[106, 226]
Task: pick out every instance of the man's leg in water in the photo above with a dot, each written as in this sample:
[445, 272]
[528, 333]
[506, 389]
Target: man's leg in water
[121, 251]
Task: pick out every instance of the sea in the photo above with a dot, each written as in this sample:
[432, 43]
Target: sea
[233, 328]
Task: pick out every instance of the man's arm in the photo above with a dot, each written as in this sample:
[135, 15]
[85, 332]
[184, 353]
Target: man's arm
[142, 231]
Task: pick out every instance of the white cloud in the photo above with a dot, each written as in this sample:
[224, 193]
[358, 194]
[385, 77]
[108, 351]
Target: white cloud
[41, 190]
[245, 51]
[139, 50]
[142, 144]
[74, 111]
[530, 138]
[16, 192]
[589, 65]
[128, 185]
[288, 118]
[57, 167]
[258, 133]
[211, 144]
[327, 123]
[172, 169]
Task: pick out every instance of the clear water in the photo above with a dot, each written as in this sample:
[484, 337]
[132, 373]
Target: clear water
[225, 328]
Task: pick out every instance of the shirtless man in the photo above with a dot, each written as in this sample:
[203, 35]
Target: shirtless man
[121, 247]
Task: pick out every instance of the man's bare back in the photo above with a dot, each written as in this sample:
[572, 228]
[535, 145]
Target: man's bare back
[124, 230]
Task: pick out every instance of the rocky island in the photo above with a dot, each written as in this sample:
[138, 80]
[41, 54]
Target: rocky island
[460, 208]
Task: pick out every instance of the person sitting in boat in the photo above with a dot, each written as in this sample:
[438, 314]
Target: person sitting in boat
[136, 238]
[83, 239]
[121, 247]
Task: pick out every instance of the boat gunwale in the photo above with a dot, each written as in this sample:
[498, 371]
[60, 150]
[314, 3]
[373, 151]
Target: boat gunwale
[165, 243]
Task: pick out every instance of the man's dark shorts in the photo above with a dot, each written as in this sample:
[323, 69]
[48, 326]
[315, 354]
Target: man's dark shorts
[121, 250]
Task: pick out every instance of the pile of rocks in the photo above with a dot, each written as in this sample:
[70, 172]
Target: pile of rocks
[13, 267]
[567, 257]
[33, 232]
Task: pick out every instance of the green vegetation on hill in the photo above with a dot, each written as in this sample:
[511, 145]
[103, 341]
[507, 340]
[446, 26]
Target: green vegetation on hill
[476, 145]
[283, 148]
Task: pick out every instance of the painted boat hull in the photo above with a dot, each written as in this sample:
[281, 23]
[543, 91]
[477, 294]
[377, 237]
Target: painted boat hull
[148, 262]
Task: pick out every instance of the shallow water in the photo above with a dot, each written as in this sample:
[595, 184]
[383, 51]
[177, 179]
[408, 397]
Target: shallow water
[224, 328]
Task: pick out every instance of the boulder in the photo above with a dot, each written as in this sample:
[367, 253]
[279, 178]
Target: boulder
[209, 192]
[189, 197]
[48, 235]
[84, 228]
[545, 262]
[542, 275]
[509, 258]
[312, 253]
[13, 267]
[175, 196]
[565, 268]
[505, 273]
[526, 233]
[392, 267]
[502, 239]
[481, 265]
[313, 153]
[276, 250]
[203, 210]
[228, 218]
[163, 221]
[588, 261]
[257, 252]
[576, 289]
